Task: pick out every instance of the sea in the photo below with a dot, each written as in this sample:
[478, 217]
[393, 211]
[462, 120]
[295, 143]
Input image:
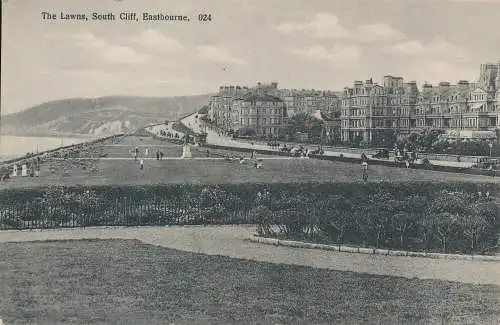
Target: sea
[17, 146]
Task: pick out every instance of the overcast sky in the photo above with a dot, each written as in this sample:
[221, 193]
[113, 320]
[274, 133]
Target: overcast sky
[321, 44]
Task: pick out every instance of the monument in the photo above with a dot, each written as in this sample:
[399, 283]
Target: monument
[24, 170]
[186, 148]
[186, 151]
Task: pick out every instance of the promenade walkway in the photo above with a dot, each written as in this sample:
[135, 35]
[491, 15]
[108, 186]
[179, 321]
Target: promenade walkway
[232, 241]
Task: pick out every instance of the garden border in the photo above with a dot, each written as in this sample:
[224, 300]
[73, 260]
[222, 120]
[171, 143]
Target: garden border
[372, 251]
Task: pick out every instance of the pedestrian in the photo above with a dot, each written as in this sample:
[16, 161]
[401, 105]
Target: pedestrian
[407, 163]
[157, 154]
[146, 152]
[364, 167]
[135, 156]
[161, 155]
[142, 164]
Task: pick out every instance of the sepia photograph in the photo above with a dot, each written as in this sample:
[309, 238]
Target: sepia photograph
[267, 162]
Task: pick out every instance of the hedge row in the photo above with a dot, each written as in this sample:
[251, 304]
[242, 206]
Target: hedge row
[458, 217]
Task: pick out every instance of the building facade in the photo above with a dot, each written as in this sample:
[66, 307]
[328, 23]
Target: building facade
[230, 109]
[259, 111]
[375, 113]
[308, 101]
[220, 105]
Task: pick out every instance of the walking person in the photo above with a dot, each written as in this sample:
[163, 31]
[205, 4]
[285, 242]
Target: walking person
[142, 164]
[364, 167]
[407, 163]
[157, 154]
[146, 152]
[161, 155]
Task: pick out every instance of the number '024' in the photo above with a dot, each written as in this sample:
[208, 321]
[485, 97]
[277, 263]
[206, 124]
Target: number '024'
[204, 17]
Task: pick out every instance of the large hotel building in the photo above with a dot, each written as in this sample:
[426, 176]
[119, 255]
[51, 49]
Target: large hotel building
[374, 113]
[369, 111]
[265, 108]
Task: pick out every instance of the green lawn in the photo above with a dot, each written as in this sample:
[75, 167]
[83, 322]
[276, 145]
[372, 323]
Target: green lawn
[127, 282]
[126, 171]
[221, 171]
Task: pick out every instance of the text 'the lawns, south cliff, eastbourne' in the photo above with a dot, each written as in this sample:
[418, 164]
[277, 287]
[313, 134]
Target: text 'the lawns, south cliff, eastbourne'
[122, 16]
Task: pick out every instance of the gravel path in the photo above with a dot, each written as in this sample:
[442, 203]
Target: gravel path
[230, 241]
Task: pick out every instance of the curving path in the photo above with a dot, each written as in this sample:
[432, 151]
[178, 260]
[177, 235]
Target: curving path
[231, 241]
[214, 138]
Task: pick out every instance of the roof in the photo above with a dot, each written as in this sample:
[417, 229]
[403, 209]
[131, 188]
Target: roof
[252, 96]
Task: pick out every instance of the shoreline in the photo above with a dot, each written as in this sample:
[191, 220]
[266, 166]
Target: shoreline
[18, 158]
[51, 135]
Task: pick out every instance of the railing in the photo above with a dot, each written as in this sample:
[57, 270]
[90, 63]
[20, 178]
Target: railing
[299, 209]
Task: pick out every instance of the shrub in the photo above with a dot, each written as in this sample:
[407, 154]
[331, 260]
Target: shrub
[457, 217]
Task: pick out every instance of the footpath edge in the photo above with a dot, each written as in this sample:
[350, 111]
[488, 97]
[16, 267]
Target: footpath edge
[372, 251]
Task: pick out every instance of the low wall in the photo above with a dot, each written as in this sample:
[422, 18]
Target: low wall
[372, 251]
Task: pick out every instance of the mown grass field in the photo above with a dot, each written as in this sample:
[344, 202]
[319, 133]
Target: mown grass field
[128, 282]
[120, 168]
[127, 171]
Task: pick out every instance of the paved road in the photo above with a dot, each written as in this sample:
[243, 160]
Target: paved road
[214, 138]
[230, 241]
[155, 129]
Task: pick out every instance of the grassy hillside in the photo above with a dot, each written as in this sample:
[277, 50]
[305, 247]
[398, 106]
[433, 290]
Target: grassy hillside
[99, 116]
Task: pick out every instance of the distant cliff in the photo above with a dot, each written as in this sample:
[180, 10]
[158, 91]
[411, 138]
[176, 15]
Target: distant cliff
[99, 116]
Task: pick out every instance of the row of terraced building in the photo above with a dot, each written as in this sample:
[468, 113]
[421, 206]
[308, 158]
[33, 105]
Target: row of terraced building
[369, 111]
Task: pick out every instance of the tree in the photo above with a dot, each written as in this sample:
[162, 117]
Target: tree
[444, 214]
[479, 222]
[304, 123]
[445, 225]
[375, 215]
[401, 222]
[294, 213]
[336, 216]
[261, 212]
[408, 213]
[421, 140]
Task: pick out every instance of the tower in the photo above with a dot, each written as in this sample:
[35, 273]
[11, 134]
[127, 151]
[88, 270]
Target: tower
[488, 76]
[497, 80]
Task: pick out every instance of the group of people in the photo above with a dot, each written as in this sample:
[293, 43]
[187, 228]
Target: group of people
[25, 168]
[136, 153]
